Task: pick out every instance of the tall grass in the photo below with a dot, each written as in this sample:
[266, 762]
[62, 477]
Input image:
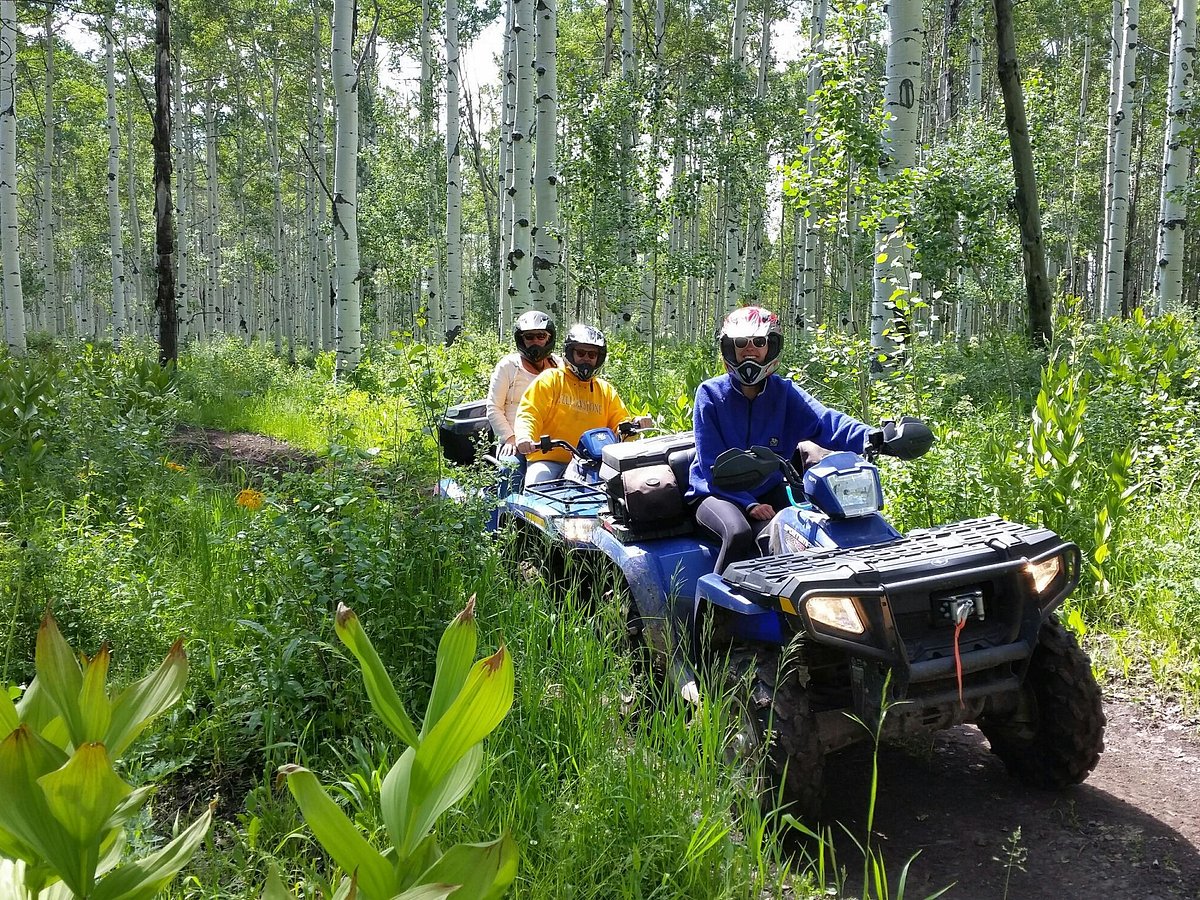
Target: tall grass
[613, 791]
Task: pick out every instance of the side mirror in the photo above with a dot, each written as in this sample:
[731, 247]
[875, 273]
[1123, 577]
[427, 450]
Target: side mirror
[907, 439]
[744, 470]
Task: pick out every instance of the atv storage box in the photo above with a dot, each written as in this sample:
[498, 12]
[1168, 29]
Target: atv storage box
[645, 481]
[462, 430]
[906, 591]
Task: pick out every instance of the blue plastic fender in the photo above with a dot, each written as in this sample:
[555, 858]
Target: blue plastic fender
[662, 576]
[807, 528]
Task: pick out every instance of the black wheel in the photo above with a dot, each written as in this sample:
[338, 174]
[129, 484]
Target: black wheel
[1055, 736]
[776, 733]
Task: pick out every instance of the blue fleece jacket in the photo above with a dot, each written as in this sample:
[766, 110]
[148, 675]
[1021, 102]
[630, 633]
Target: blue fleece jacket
[780, 417]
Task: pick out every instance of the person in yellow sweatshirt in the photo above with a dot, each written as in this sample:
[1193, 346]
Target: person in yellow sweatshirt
[567, 401]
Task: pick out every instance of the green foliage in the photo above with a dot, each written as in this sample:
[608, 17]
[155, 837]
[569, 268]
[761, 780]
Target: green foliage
[65, 810]
[438, 767]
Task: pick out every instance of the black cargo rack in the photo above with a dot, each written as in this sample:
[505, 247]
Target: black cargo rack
[897, 565]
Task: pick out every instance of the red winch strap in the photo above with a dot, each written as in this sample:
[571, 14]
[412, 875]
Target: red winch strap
[958, 660]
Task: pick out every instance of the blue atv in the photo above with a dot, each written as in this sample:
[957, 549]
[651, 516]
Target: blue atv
[842, 618]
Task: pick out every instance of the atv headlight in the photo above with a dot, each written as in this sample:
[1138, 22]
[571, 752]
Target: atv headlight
[857, 493]
[576, 529]
[835, 612]
[1045, 572]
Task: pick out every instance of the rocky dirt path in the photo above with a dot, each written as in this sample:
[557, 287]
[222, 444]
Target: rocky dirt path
[1132, 830]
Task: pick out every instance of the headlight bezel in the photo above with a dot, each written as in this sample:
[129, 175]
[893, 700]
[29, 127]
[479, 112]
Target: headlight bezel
[836, 612]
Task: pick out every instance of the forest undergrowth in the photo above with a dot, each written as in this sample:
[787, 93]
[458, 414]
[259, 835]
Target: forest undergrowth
[133, 544]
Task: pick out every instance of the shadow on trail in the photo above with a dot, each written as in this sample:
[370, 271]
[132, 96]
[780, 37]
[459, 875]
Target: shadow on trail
[959, 808]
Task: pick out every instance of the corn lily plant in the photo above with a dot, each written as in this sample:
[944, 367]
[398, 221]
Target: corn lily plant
[64, 807]
[440, 764]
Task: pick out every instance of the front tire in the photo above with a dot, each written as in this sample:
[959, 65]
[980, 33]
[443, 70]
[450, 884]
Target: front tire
[775, 733]
[1055, 736]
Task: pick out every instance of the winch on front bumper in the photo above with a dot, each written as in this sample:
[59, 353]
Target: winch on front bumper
[982, 587]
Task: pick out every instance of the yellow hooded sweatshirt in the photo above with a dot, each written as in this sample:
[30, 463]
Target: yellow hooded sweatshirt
[560, 405]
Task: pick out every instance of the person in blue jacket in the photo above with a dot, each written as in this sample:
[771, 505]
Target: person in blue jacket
[752, 406]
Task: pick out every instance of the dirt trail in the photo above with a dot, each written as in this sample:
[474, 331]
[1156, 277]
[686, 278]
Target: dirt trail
[1132, 830]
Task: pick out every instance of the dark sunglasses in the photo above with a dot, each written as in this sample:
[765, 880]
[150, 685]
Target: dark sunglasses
[536, 335]
[741, 342]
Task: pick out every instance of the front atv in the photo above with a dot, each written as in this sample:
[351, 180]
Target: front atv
[957, 622]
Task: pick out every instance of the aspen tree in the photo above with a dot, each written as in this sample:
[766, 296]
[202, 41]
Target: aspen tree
[10, 259]
[1177, 158]
[345, 187]
[520, 261]
[1117, 221]
[547, 250]
[902, 103]
[119, 321]
[52, 311]
[453, 321]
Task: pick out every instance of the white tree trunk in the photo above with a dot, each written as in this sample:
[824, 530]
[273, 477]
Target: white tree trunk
[135, 294]
[183, 256]
[431, 293]
[326, 303]
[520, 261]
[975, 58]
[453, 321]
[735, 247]
[1177, 159]
[1118, 207]
[51, 305]
[758, 196]
[280, 301]
[547, 251]
[345, 188]
[808, 276]
[504, 175]
[902, 101]
[1116, 57]
[114, 202]
[214, 288]
[14, 303]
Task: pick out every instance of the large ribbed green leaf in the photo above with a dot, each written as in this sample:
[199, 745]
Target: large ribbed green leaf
[482, 871]
[94, 705]
[456, 653]
[380, 689]
[145, 699]
[83, 794]
[59, 676]
[9, 720]
[484, 700]
[339, 836]
[428, 892]
[24, 812]
[145, 878]
[410, 816]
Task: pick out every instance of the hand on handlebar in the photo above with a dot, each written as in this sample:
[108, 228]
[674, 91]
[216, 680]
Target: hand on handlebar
[761, 512]
[525, 447]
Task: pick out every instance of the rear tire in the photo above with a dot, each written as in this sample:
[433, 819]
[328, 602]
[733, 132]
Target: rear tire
[1056, 735]
[776, 734]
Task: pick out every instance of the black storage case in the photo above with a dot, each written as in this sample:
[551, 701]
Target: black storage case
[659, 460]
[462, 430]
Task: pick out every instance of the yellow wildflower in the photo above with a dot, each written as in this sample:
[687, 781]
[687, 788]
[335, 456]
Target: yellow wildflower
[249, 498]
[174, 466]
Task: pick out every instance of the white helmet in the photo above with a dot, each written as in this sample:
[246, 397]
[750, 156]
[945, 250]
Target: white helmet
[751, 323]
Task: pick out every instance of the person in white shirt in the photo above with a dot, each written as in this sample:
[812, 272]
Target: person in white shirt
[534, 334]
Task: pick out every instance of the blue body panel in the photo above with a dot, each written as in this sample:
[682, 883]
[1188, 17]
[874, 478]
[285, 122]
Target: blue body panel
[805, 527]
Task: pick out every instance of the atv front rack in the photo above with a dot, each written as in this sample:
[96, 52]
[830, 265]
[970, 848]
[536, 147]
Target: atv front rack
[1002, 579]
